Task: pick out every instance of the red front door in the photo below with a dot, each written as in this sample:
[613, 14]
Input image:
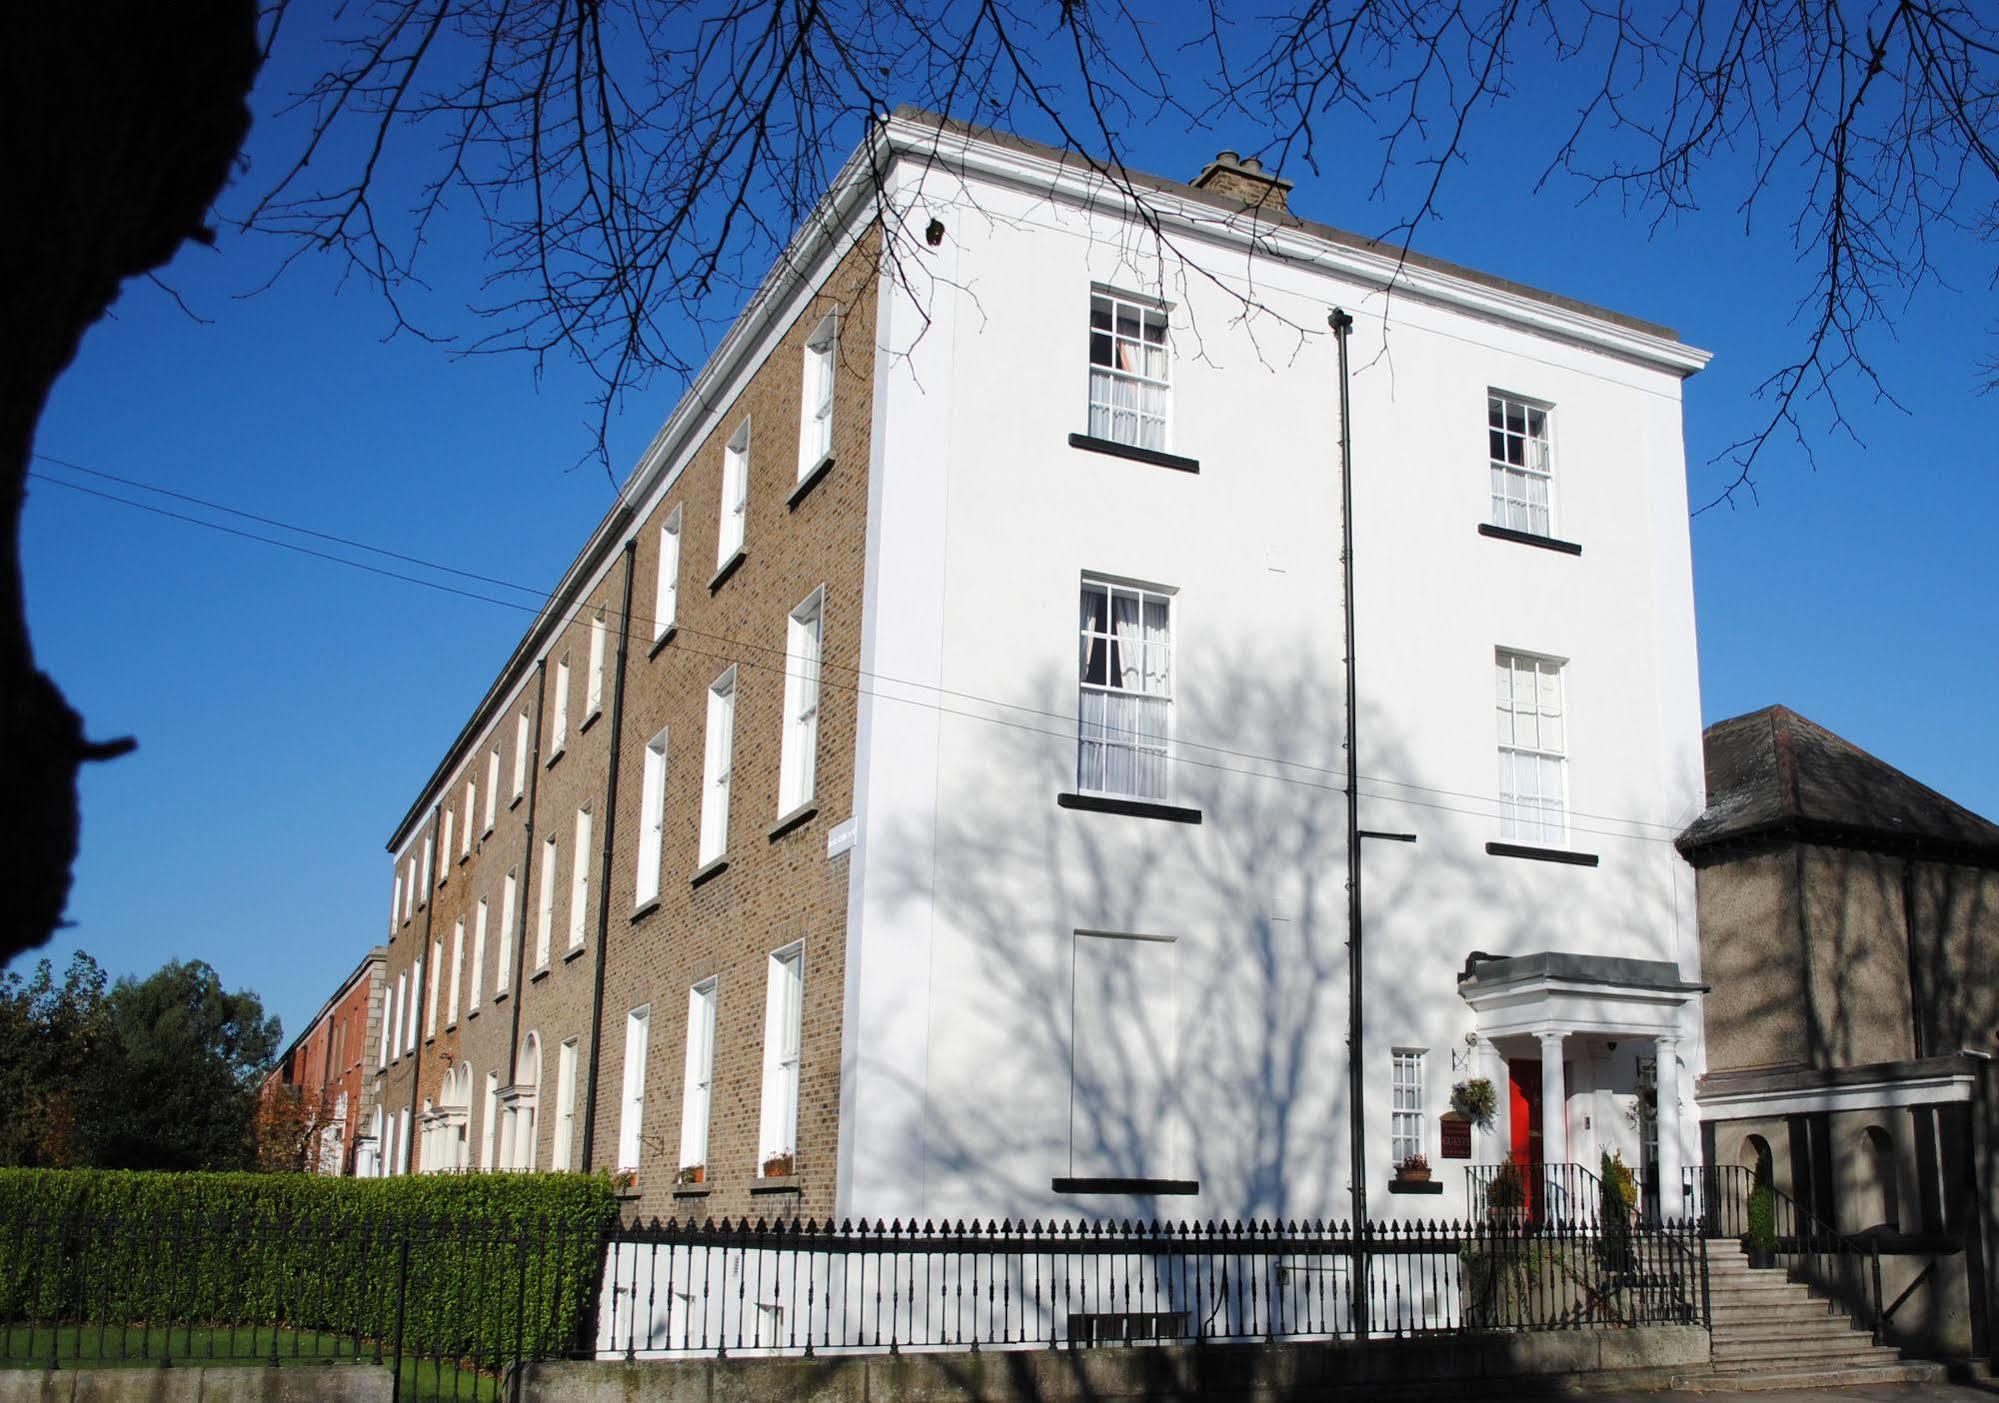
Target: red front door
[1523, 1114]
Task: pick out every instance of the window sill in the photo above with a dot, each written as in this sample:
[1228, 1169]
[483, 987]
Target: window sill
[645, 908]
[500, 995]
[808, 482]
[466, 857]
[515, 802]
[590, 720]
[1415, 1186]
[692, 1190]
[728, 568]
[1135, 453]
[452, 1026]
[1125, 1186]
[661, 641]
[778, 1184]
[1536, 854]
[470, 1014]
[572, 952]
[1134, 808]
[541, 973]
[554, 755]
[804, 813]
[1528, 538]
[708, 871]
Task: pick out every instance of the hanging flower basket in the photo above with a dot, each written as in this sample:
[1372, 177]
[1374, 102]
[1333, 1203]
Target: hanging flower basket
[1477, 1101]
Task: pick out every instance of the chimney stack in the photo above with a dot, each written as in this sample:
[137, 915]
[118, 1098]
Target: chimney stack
[1244, 178]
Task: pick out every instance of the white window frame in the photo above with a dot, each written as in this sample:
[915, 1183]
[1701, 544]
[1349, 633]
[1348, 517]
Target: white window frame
[1109, 715]
[1520, 459]
[480, 916]
[429, 867]
[567, 1058]
[416, 1003]
[631, 1119]
[593, 692]
[471, 808]
[732, 531]
[388, 1019]
[558, 735]
[510, 895]
[784, 1035]
[444, 868]
[718, 769]
[1118, 370]
[815, 415]
[652, 822]
[492, 789]
[436, 982]
[698, 1078]
[579, 881]
[798, 760]
[1408, 1132]
[490, 1125]
[666, 597]
[457, 973]
[409, 888]
[1532, 740]
[544, 921]
[395, 897]
[521, 733]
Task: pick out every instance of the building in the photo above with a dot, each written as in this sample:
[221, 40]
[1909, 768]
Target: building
[923, 795]
[1849, 921]
[328, 1072]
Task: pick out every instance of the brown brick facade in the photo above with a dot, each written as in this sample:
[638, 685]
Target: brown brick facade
[773, 891]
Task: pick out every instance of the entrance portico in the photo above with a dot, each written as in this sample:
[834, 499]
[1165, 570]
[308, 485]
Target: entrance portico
[1584, 1051]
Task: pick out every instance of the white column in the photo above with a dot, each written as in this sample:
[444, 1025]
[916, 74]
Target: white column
[1554, 1122]
[1671, 1205]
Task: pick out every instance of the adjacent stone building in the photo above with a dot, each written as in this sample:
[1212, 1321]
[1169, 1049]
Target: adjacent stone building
[328, 1073]
[1849, 924]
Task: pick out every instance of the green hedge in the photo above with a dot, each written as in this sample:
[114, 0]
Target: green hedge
[479, 1264]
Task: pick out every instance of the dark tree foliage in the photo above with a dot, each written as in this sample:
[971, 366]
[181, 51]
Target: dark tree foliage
[157, 1073]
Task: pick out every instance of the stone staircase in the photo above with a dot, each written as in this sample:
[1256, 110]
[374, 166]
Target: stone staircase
[1771, 1332]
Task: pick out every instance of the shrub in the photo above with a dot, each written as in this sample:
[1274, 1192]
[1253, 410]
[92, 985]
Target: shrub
[1762, 1219]
[1507, 1190]
[1620, 1187]
[486, 1261]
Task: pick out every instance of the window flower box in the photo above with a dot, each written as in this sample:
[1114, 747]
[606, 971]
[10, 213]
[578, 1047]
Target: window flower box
[1414, 1169]
[781, 1165]
[692, 1174]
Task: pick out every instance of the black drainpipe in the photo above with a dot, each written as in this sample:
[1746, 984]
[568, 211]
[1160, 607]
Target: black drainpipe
[617, 723]
[1341, 322]
[523, 896]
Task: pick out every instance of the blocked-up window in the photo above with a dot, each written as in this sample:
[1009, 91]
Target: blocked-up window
[471, 807]
[444, 869]
[492, 787]
[544, 929]
[558, 735]
[523, 729]
[565, 1106]
[457, 971]
[478, 979]
[593, 697]
[1125, 1116]
[503, 968]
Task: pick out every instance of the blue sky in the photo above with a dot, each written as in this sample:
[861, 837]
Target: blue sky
[287, 709]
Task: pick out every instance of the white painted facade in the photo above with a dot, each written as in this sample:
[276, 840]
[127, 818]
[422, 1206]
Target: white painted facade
[1003, 1027]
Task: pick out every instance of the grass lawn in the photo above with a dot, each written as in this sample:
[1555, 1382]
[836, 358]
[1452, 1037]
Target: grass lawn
[138, 1347]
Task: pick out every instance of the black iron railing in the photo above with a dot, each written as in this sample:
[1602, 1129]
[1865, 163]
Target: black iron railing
[804, 1288]
[454, 1308]
[1549, 1192]
[1842, 1268]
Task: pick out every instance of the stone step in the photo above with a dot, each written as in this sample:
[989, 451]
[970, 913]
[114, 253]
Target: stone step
[1780, 1310]
[1817, 1352]
[1752, 1380]
[1818, 1327]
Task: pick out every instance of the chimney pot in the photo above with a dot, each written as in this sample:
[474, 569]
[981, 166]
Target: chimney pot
[1244, 178]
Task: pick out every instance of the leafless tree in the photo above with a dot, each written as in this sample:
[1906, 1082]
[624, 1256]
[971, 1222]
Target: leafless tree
[636, 164]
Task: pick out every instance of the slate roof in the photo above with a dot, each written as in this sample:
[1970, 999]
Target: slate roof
[1775, 775]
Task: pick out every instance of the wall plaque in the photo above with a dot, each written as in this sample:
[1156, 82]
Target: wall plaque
[1455, 1139]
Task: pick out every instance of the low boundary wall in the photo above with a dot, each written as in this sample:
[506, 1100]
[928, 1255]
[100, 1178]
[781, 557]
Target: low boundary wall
[1555, 1361]
[198, 1383]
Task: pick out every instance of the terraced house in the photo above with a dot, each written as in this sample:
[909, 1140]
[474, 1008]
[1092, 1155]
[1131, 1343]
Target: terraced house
[924, 793]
